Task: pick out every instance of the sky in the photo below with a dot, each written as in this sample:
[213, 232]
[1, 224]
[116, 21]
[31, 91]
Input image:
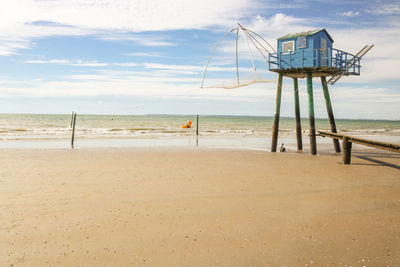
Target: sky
[148, 57]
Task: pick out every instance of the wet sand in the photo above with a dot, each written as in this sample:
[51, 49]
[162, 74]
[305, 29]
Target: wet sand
[197, 207]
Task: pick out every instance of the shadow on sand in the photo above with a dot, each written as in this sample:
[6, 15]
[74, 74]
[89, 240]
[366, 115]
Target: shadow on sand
[378, 158]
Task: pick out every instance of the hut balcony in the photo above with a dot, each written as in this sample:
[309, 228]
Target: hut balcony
[328, 61]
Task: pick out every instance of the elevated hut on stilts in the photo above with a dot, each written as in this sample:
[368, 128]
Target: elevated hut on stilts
[307, 55]
[301, 55]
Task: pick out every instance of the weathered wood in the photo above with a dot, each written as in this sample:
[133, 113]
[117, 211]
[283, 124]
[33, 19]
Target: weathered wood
[275, 127]
[73, 131]
[197, 130]
[311, 118]
[197, 124]
[346, 150]
[72, 118]
[362, 141]
[329, 110]
[297, 113]
[302, 72]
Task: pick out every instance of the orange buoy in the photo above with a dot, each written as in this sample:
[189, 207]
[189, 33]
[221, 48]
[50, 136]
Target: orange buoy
[187, 125]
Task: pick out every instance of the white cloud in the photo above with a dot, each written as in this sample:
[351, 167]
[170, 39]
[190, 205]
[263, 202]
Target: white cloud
[386, 8]
[77, 62]
[350, 13]
[382, 62]
[51, 61]
[280, 24]
[23, 20]
[366, 102]
[145, 54]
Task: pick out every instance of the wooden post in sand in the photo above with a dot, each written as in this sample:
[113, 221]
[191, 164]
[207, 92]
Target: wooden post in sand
[73, 129]
[311, 118]
[275, 127]
[329, 110]
[346, 150]
[72, 118]
[297, 113]
[197, 125]
[197, 130]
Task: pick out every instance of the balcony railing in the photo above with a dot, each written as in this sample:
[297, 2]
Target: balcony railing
[331, 58]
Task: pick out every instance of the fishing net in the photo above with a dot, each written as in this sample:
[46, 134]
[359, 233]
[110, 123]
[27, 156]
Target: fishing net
[246, 80]
[240, 58]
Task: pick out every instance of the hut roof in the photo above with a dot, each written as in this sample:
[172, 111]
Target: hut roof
[304, 34]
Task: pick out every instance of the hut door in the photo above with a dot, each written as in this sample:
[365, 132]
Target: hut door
[324, 53]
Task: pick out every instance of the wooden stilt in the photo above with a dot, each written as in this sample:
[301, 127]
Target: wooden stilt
[313, 142]
[297, 113]
[275, 127]
[73, 130]
[330, 112]
[346, 150]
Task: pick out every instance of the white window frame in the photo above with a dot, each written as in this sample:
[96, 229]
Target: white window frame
[283, 46]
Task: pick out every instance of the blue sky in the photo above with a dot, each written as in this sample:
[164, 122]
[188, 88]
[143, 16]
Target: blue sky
[148, 57]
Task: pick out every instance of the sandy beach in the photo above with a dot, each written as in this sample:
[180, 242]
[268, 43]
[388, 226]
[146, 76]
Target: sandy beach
[198, 207]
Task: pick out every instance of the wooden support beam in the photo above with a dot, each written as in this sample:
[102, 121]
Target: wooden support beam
[275, 127]
[362, 141]
[329, 110]
[311, 118]
[297, 113]
[346, 150]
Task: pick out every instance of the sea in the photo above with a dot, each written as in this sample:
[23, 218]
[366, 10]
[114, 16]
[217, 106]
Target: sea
[248, 132]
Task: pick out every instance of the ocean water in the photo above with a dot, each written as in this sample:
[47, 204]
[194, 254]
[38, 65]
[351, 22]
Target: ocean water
[115, 128]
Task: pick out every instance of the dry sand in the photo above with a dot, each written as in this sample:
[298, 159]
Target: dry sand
[197, 207]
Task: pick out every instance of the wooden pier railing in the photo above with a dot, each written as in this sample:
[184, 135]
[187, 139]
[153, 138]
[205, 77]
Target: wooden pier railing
[348, 140]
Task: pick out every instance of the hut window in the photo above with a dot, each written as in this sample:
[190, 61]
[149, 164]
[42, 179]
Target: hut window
[287, 47]
[301, 42]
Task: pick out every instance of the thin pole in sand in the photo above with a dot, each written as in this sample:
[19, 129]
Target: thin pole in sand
[72, 118]
[197, 130]
[73, 129]
[197, 125]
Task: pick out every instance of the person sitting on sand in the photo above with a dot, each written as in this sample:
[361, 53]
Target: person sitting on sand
[282, 149]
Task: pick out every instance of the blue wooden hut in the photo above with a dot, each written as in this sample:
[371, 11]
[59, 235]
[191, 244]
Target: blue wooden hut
[306, 55]
[313, 50]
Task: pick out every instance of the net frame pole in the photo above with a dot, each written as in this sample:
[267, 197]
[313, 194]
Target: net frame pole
[237, 57]
[212, 53]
